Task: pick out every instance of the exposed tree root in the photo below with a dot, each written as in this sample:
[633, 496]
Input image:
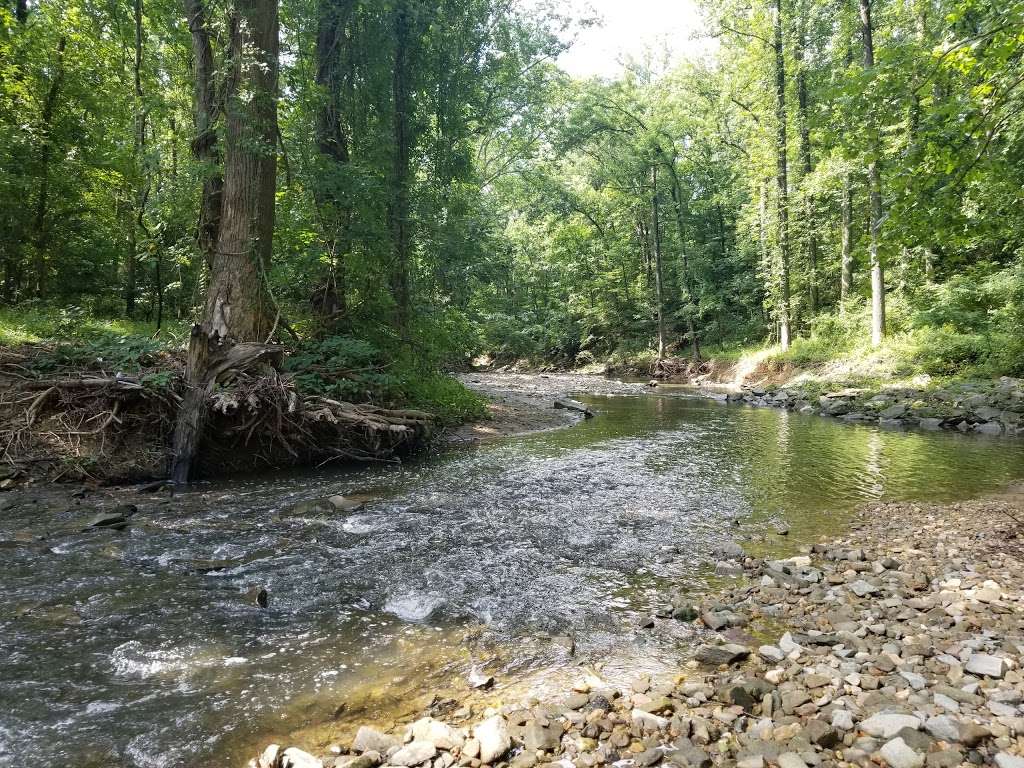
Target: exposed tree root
[112, 427]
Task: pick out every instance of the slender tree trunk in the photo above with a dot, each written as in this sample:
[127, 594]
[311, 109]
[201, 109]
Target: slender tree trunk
[781, 152]
[806, 162]
[238, 303]
[874, 196]
[139, 161]
[332, 141]
[688, 295]
[659, 277]
[846, 255]
[21, 11]
[42, 235]
[399, 205]
[205, 114]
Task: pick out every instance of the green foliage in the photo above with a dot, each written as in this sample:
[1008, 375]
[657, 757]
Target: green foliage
[436, 393]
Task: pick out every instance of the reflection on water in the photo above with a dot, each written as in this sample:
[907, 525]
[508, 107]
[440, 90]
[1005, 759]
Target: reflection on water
[119, 646]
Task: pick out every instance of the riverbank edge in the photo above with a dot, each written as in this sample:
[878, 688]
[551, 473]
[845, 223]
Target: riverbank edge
[896, 643]
[990, 407]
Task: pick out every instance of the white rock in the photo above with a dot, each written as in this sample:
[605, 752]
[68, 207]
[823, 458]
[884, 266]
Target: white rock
[943, 727]
[269, 757]
[650, 720]
[791, 760]
[1006, 760]
[751, 761]
[842, 719]
[371, 740]
[898, 755]
[787, 645]
[885, 725]
[771, 653]
[413, 753]
[984, 664]
[471, 748]
[441, 735]
[948, 704]
[494, 737]
[917, 682]
[296, 758]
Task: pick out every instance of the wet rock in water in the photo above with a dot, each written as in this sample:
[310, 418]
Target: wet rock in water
[566, 642]
[728, 568]
[117, 519]
[413, 753]
[480, 680]
[293, 757]
[645, 622]
[309, 508]
[730, 653]
[568, 404]
[371, 740]
[730, 550]
[345, 504]
[494, 737]
[257, 595]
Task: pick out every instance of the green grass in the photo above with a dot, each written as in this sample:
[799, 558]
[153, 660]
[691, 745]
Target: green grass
[34, 325]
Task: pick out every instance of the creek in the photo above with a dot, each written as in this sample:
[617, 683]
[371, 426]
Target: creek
[139, 647]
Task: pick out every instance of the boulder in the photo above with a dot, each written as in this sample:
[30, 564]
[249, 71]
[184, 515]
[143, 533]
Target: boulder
[730, 653]
[413, 753]
[494, 737]
[371, 740]
[294, 757]
[441, 735]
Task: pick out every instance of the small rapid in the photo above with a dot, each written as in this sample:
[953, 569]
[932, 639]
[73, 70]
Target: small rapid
[143, 648]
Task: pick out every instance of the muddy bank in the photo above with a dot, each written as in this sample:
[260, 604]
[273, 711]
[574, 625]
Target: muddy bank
[898, 644]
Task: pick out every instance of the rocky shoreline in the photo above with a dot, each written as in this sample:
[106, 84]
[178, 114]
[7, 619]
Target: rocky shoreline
[897, 644]
[990, 408]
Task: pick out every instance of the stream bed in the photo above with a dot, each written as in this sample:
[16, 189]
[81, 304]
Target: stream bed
[521, 558]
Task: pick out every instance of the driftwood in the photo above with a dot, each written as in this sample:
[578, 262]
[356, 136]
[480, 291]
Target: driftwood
[569, 404]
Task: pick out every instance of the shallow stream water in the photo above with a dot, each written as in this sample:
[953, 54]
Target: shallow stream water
[132, 648]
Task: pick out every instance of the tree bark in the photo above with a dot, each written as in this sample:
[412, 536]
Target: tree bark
[688, 294]
[846, 253]
[205, 114]
[806, 162]
[42, 235]
[659, 277]
[139, 161]
[333, 144]
[874, 196]
[399, 204]
[781, 152]
[238, 303]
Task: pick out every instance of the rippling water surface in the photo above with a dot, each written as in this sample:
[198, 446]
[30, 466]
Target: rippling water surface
[126, 647]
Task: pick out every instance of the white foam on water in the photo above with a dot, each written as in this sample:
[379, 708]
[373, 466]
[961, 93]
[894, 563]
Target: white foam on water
[413, 606]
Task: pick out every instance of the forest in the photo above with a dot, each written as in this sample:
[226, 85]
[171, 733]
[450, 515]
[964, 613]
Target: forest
[359, 196]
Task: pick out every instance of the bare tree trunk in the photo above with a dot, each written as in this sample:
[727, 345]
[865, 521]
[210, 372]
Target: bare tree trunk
[139, 152]
[806, 162]
[659, 277]
[21, 11]
[42, 235]
[781, 152]
[399, 205]
[689, 296]
[238, 304]
[846, 257]
[204, 145]
[874, 197]
[332, 143]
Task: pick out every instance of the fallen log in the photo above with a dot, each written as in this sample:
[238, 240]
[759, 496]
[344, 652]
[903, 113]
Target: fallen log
[569, 404]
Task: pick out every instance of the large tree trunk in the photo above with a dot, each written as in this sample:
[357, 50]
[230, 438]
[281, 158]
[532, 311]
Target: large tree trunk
[874, 196]
[333, 144]
[204, 145]
[782, 182]
[659, 277]
[42, 234]
[401, 239]
[238, 304]
[806, 162]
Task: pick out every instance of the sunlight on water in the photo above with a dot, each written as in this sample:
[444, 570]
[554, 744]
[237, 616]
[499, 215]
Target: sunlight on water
[125, 646]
